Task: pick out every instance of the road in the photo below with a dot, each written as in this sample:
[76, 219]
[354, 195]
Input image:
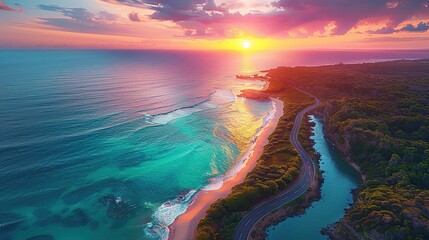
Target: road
[295, 190]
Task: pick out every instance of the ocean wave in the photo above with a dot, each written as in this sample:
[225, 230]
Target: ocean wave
[219, 98]
[217, 182]
[165, 215]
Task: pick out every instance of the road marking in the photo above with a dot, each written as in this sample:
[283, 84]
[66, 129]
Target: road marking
[307, 170]
[247, 222]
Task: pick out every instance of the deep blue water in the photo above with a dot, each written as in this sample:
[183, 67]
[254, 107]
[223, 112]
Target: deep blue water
[112, 144]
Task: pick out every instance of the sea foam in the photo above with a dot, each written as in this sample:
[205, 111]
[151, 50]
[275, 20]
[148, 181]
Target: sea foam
[219, 98]
[165, 215]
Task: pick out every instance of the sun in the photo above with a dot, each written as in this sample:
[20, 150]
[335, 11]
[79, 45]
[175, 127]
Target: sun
[246, 44]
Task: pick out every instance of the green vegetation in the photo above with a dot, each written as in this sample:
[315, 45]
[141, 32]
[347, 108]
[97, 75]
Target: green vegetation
[301, 204]
[278, 166]
[378, 116]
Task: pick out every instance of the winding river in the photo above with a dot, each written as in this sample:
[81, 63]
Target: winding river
[340, 178]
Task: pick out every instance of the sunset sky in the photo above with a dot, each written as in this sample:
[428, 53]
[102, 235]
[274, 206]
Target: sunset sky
[215, 24]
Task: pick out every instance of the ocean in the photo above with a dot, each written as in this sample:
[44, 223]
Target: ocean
[113, 144]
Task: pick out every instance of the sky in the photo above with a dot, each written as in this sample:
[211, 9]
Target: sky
[215, 24]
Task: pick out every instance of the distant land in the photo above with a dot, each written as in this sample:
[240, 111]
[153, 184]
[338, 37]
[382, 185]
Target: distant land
[377, 116]
[214, 120]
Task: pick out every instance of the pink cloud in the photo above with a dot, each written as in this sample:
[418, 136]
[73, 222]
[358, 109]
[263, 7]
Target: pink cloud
[392, 4]
[5, 7]
[205, 18]
[134, 17]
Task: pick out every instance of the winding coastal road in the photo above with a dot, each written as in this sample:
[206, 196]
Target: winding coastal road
[295, 190]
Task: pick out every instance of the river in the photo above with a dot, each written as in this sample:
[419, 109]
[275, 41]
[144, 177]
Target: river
[339, 179]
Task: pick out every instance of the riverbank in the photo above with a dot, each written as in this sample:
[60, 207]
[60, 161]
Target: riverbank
[185, 225]
[300, 205]
[339, 179]
[375, 116]
[331, 139]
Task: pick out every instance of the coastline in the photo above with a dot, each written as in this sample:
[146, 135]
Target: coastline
[185, 224]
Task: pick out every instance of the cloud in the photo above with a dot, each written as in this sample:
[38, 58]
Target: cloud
[306, 17]
[348, 13]
[5, 7]
[106, 16]
[134, 17]
[77, 14]
[383, 30]
[82, 21]
[393, 4]
[421, 27]
[81, 14]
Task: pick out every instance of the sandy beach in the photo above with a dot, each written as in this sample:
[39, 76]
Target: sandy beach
[185, 225]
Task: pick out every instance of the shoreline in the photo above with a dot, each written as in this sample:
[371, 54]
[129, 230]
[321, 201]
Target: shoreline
[185, 224]
[297, 208]
[348, 160]
[302, 205]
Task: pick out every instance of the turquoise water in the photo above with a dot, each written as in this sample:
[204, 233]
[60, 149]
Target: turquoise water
[113, 144]
[339, 179]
